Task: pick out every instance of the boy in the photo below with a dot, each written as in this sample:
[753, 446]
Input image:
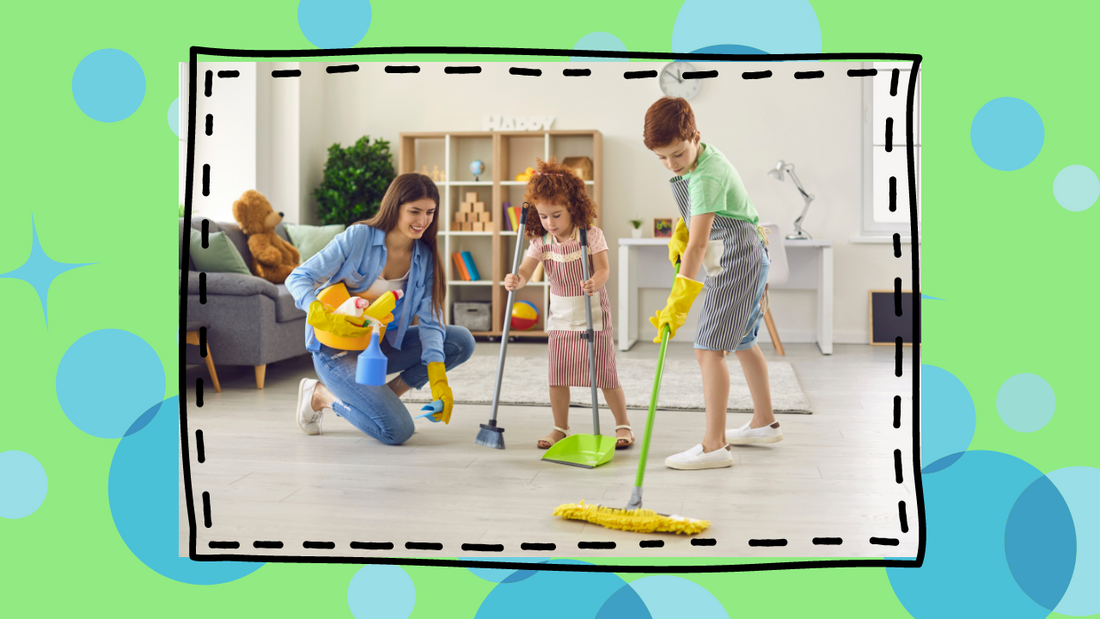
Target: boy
[721, 235]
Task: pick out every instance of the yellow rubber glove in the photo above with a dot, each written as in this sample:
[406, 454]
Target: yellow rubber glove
[677, 245]
[321, 318]
[437, 378]
[674, 315]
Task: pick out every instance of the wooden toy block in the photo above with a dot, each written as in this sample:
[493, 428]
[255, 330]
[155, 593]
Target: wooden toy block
[478, 227]
[462, 217]
[466, 207]
[456, 225]
[471, 196]
[479, 207]
[467, 226]
[485, 217]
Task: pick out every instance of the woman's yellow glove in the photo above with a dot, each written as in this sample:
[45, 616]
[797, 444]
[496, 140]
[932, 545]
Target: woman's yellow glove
[674, 315]
[437, 378]
[677, 245]
[321, 318]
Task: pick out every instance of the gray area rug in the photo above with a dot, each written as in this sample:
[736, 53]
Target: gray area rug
[526, 382]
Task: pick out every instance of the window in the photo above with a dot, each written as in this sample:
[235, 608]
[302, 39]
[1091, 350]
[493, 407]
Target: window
[885, 164]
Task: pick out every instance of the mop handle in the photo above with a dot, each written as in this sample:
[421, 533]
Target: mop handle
[589, 334]
[653, 402]
[508, 314]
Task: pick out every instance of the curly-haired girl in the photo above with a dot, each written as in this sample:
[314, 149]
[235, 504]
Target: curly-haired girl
[562, 207]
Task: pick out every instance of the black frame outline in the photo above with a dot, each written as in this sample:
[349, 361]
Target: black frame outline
[534, 563]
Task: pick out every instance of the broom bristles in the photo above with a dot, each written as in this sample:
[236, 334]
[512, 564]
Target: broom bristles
[639, 520]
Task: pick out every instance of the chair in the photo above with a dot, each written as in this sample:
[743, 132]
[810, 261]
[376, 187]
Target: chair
[778, 274]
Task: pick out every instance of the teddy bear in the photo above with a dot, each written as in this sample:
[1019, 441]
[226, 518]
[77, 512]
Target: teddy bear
[272, 258]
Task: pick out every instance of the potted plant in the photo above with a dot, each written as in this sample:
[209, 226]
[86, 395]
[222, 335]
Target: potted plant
[636, 232]
[355, 180]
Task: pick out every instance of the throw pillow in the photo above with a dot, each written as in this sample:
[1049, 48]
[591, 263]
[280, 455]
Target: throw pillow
[311, 239]
[220, 256]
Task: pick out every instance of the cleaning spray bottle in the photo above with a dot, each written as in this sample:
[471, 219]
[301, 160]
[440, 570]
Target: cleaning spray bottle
[370, 367]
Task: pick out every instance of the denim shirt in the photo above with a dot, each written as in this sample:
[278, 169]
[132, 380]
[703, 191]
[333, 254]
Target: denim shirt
[356, 257]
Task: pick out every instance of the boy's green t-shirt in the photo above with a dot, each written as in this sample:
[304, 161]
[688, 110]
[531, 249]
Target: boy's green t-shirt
[715, 187]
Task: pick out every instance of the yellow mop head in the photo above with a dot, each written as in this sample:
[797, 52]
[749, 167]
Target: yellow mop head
[639, 520]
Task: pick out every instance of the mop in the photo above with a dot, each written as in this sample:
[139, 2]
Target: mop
[491, 435]
[633, 517]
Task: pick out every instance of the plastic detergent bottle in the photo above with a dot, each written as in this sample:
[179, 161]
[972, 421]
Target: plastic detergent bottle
[370, 367]
[383, 305]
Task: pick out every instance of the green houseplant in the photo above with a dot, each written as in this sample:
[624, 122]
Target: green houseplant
[355, 180]
[636, 232]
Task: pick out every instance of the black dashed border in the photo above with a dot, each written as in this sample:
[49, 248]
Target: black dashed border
[549, 546]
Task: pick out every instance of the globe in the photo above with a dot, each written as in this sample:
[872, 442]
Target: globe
[477, 168]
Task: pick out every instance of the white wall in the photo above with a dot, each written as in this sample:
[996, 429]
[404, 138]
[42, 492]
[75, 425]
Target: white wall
[232, 150]
[815, 124]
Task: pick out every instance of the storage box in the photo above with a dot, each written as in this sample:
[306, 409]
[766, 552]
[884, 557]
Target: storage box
[475, 315]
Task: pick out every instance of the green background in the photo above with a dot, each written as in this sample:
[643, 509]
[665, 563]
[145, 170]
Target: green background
[1014, 270]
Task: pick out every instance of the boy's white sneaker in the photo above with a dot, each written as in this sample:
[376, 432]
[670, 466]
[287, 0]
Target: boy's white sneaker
[309, 420]
[694, 459]
[748, 436]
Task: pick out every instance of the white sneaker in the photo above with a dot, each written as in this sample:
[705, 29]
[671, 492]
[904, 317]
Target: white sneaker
[694, 459]
[309, 420]
[747, 436]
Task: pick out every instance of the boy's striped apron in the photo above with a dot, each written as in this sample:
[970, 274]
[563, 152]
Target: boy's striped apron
[733, 264]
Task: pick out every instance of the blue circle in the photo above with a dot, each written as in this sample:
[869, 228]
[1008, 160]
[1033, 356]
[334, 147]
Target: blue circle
[108, 85]
[947, 418]
[543, 594]
[1080, 487]
[143, 491]
[1076, 188]
[671, 597]
[174, 117]
[90, 387]
[382, 592]
[503, 575]
[1007, 134]
[1040, 544]
[779, 26]
[23, 484]
[334, 24]
[1025, 402]
[965, 572]
[726, 49]
[599, 41]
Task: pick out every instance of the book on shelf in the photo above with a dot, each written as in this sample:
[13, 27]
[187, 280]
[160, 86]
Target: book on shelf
[513, 217]
[506, 223]
[471, 268]
[460, 267]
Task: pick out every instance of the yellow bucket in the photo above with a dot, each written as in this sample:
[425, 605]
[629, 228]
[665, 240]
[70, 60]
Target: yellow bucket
[332, 297]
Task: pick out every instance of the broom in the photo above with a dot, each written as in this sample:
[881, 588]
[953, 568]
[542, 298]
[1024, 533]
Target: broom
[633, 517]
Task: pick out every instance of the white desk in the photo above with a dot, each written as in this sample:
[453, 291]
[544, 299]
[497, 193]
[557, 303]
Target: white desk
[643, 263]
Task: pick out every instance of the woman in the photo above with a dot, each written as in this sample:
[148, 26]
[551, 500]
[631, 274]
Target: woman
[394, 250]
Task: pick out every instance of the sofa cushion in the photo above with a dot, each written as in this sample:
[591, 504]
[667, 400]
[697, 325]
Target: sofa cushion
[284, 306]
[219, 255]
[233, 231]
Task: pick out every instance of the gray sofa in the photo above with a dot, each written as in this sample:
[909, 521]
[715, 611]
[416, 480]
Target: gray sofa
[248, 320]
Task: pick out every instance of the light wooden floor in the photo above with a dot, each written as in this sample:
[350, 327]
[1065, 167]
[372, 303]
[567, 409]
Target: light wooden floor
[832, 477]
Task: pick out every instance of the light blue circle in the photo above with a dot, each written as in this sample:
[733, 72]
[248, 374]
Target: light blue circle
[381, 592]
[503, 575]
[1040, 544]
[599, 41]
[1080, 487]
[672, 597]
[1007, 134]
[108, 85]
[174, 117]
[23, 484]
[90, 385]
[551, 595]
[334, 24]
[1076, 188]
[1025, 402]
[965, 572]
[143, 491]
[947, 418]
[779, 26]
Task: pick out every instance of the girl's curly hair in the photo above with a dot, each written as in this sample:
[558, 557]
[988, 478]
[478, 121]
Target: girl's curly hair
[557, 184]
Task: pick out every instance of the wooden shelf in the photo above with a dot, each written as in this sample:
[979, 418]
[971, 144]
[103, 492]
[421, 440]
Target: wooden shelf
[501, 151]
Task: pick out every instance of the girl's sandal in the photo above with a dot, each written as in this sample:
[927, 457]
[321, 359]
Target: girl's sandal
[629, 442]
[547, 443]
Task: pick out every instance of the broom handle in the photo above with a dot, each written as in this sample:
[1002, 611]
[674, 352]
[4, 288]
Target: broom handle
[652, 408]
[589, 334]
[508, 315]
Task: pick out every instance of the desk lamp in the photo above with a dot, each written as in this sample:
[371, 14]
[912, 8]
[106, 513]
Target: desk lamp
[777, 173]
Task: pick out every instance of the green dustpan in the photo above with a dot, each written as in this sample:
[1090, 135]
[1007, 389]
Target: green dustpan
[585, 450]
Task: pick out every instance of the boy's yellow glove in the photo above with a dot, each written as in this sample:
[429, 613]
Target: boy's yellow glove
[674, 315]
[677, 245]
[437, 378]
[337, 324]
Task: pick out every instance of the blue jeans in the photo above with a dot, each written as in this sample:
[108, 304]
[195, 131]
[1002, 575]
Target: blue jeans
[377, 411]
